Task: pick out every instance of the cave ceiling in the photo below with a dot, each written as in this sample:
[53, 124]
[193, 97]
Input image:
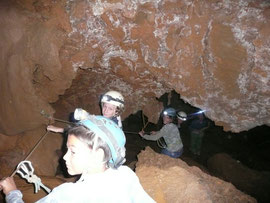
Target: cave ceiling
[61, 54]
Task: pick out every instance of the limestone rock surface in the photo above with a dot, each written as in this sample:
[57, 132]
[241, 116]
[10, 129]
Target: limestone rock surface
[44, 156]
[213, 53]
[172, 180]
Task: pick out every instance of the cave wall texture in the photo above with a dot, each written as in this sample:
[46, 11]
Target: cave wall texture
[215, 54]
[57, 55]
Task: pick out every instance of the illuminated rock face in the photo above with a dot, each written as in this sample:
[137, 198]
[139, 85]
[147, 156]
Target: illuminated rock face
[214, 54]
[172, 180]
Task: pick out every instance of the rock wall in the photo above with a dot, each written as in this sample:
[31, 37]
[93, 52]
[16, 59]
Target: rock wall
[44, 158]
[214, 53]
[172, 180]
[209, 52]
[32, 74]
[62, 54]
[255, 183]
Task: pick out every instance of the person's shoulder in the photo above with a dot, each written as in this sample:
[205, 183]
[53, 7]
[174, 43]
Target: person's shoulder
[64, 186]
[171, 125]
[125, 169]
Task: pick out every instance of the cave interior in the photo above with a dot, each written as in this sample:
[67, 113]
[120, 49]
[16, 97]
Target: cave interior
[192, 55]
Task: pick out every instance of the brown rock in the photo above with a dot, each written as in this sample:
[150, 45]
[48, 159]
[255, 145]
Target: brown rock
[172, 180]
[255, 183]
[214, 54]
[44, 157]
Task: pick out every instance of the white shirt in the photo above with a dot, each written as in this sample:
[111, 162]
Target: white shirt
[113, 186]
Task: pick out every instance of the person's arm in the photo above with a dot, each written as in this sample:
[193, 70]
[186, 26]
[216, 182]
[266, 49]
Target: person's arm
[155, 135]
[13, 195]
[55, 129]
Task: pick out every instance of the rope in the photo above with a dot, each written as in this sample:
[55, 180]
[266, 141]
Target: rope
[131, 132]
[56, 119]
[31, 152]
[145, 126]
[63, 121]
[143, 119]
[128, 132]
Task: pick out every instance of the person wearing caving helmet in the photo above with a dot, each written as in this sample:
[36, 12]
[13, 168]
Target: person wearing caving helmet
[112, 105]
[197, 128]
[96, 151]
[173, 146]
[181, 117]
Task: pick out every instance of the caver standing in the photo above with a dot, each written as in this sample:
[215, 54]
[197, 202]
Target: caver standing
[197, 128]
[169, 132]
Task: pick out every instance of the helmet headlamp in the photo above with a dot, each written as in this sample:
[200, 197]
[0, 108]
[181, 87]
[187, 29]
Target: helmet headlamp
[169, 112]
[182, 118]
[199, 112]
[107, 98]
[80, 114]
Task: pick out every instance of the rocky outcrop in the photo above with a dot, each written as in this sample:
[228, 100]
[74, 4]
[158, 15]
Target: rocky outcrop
[32, 74]
[255, 183]
[213, 53]
[60, 55]
[172, 180]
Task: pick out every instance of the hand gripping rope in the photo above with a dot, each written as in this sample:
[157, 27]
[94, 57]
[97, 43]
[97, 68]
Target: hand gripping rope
[26, 171]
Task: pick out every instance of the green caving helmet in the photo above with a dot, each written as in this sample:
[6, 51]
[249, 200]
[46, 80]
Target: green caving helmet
[108, 131]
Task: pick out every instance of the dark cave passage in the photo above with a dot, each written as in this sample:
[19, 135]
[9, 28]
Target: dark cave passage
[250, 148]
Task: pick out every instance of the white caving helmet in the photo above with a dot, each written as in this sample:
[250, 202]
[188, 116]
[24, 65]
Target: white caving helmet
[182, 115]
[113, 97]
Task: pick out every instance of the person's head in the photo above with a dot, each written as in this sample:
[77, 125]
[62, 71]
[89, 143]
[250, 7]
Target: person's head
[181, 117]
[112, 104]
[96, 143]
[168, 115]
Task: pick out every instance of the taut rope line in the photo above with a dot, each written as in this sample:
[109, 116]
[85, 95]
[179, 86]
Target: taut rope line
[143, 119]
[31, 152]
[56, 119]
